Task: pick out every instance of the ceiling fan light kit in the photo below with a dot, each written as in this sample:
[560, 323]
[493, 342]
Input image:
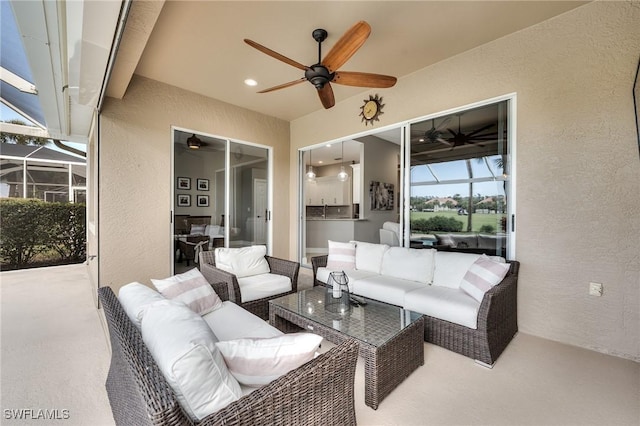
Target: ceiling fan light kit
[193, 142]
[325, 72]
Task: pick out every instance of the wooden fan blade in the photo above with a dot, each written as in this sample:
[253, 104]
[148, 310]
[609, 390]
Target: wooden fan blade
[282, 86]
[348, 44]
[276, 55]
[326, 96]
[364, 79]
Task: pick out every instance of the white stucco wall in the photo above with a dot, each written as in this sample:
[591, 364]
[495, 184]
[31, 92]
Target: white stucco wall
[135, 167]
[578, 167]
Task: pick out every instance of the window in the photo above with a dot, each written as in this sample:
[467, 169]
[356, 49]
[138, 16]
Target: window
[459, 180]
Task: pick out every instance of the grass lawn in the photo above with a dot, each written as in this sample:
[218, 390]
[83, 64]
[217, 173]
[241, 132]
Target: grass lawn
[478, 219]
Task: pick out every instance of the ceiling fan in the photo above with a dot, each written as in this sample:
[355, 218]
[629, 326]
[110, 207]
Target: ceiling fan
[475, 137]
[195, 142]
[434, 135]
[325, 72]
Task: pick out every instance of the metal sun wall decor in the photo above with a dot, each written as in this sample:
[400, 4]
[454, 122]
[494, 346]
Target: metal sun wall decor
[381, 195]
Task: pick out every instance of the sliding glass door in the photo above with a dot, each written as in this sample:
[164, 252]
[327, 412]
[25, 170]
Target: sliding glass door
[221, 195]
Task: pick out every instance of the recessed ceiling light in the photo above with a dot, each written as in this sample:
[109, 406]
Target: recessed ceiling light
[320, 162]
[328, 145]
[250, 82]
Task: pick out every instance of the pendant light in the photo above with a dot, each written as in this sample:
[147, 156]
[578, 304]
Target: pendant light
[311, 175]
[342, 176]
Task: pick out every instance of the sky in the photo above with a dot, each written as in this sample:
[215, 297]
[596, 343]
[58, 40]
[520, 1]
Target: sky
[7, 113]
[456, 170]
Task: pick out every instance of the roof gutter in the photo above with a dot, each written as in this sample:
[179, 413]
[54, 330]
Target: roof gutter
[122, 22]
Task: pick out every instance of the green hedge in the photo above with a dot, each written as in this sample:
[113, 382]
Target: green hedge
[35, 233]
[437, 224]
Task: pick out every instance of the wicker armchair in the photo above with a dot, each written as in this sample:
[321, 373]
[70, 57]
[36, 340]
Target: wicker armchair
[258, 307]
[497, 320]
[319, 392]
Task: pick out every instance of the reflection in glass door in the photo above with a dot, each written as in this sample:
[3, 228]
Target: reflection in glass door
[220, 196]
[248, 187]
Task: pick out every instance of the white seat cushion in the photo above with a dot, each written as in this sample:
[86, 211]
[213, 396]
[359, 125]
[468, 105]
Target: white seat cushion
[183, 346]
[448, 304]
[450, 267]
[243, 261]
[353, 274]
[409, 264]
[257, 362]
[134, 298]
[264, 285]
[384, 288]
[245, 324]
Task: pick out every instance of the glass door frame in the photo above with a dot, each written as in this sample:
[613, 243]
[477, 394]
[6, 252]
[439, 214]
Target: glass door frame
[227, 187]
[405, 171]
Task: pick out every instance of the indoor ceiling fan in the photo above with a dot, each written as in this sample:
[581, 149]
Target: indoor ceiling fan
[325, 72]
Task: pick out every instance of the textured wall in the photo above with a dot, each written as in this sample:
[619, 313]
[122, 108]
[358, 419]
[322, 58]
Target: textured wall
[135, 182]
[578, 169]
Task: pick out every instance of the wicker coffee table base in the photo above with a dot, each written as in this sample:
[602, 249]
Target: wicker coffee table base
[385, 366]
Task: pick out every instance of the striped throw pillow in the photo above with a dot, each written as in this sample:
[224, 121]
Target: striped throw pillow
[258, 361]
[341, 256]
[192, 289]
[483, 275]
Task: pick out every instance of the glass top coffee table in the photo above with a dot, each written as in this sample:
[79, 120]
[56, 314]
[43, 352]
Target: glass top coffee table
[391, 339]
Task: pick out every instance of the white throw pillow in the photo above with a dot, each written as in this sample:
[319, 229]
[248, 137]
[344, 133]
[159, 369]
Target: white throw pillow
[369, 256]
[409, 264]
[450, 267]
[135, 297]
[190, 288]
[341, 256]
[184, 347]
[244, 261]
[197, 229]
[257, 362]
[482, 276]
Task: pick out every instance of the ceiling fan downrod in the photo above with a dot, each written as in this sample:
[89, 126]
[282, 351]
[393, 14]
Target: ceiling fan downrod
[318, 74]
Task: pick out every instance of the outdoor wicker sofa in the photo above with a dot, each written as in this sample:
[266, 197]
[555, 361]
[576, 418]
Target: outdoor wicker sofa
[497, 321]
[259, 307]
[318, 392]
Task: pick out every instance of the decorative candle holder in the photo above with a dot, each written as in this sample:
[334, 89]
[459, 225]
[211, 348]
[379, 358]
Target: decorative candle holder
[337, 296]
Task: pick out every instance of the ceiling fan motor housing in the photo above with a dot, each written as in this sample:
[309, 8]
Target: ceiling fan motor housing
[318, 75]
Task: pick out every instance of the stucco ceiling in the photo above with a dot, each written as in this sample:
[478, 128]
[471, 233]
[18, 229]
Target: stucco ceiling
[198, 45]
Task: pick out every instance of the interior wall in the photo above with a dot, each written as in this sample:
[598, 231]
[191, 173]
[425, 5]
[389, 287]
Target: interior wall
[135, 164]
[380, 164]
[578, 172]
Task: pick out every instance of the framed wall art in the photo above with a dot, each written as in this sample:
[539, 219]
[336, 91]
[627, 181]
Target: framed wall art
[381, 195]
[184, 183]
[203, 201]
[184, 200]
[203, 184]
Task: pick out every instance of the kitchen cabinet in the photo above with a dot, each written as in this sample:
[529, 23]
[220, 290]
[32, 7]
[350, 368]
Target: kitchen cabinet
[357, 184]
[328, 190]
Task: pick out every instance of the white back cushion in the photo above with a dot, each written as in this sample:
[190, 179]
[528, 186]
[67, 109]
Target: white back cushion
[183, 346]
[369, 256]
[134, 298]
[409, 264]
[450, 267]
[244, 261]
